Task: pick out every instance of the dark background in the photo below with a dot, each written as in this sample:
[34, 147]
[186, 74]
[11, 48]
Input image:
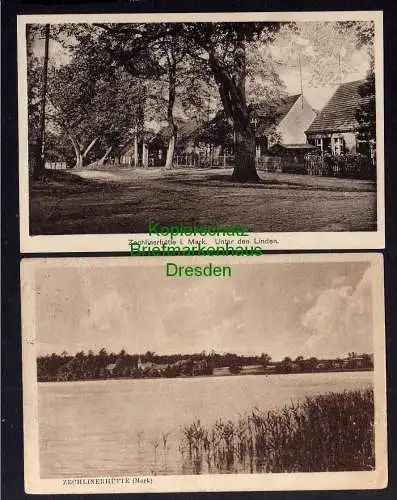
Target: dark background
[11, 415]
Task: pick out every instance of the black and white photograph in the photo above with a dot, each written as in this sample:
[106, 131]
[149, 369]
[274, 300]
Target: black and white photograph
[268, 120]
[272, 377]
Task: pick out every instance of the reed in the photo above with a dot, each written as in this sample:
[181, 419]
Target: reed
[331, 432]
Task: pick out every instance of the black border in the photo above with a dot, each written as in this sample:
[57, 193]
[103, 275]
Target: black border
[12, 442]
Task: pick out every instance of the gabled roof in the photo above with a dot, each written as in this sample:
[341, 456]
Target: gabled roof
[186, 131]
[282, 109]
[271, 116]
[339, 114]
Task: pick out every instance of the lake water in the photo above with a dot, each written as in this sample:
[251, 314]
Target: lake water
[116, 427]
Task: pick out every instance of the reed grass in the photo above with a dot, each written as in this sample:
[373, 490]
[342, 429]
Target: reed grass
[331, 432]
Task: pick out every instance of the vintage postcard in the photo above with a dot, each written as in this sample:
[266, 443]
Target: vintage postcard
[204, 374]
[272, 122]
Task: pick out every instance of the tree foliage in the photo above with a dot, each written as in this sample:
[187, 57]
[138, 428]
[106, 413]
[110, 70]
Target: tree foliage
[119, 76]
[92, 106]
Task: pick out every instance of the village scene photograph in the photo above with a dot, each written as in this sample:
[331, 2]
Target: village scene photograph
[269, 371]
[267, 124]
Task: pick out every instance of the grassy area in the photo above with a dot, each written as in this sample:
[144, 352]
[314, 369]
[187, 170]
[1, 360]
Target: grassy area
[331, 432]
[116, 200]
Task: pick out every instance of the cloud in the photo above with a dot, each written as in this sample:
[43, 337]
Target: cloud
[107, 313]
[201, 316]
[341, 319]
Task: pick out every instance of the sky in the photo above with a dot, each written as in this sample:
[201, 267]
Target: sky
[309, 309]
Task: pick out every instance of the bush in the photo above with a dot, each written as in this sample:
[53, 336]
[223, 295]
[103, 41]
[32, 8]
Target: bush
[344, 165]
[331, 432]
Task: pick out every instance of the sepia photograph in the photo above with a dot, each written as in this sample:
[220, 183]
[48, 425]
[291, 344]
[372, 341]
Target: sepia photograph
[272, 377]
[268, 120]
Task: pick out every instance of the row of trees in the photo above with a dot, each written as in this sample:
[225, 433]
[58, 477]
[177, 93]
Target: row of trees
[117, 76]
[300, 364]
[90, 366]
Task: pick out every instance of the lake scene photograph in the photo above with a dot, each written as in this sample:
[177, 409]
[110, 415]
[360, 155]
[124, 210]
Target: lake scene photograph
[268, 371]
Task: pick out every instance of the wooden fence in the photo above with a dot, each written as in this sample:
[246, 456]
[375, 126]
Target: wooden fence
[346, 165]
[56, 165]
[189, 160]
[270, 163]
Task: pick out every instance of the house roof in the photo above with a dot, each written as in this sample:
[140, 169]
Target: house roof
[112, 366]
[339, 114]
[262, 110]
[186, 130]
[270, 116]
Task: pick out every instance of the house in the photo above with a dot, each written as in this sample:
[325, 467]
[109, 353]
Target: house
[285, 125]
[151, 367]
[148, 365]
[136, 150]
[113, 369]
[252, 370]
[357, 362]
[149, 148]
[271, 368]
[335, 128]
[221, 371]
[110, 368]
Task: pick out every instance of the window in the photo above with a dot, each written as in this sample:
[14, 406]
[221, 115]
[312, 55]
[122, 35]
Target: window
[338, 146]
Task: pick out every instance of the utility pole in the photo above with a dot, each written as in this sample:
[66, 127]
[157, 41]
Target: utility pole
[41, 166]
[300, 76]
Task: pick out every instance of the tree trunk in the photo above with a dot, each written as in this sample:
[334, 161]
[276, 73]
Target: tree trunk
[102, 160]
[79, 153]
[145, 155]
[170, 111]
[90, 146]
[136, 148]
[39, 169]
[232, 92]
[170, 153]
[79, 159]
[245, 166]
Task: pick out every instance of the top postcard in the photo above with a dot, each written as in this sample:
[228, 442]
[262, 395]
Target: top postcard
[204, 133]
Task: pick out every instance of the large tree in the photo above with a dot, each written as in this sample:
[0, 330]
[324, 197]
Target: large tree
[91, 106]
[158, 53]
[178, 65]
[366, 112]
[328, 52]
[225, 47]
[37, 73]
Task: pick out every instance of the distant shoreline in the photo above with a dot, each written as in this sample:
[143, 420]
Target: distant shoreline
[212, 375]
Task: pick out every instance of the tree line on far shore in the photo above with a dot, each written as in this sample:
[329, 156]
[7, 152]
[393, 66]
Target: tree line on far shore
[104, 365]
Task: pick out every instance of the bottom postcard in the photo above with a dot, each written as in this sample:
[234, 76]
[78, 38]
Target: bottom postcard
[204, 373]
